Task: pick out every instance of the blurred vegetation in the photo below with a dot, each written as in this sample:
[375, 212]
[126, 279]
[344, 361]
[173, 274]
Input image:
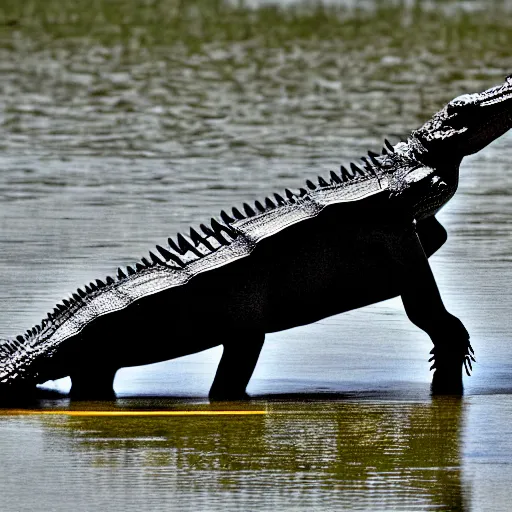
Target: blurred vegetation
[441, 26]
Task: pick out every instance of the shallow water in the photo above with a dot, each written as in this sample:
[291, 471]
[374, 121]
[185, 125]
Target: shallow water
[123, 124]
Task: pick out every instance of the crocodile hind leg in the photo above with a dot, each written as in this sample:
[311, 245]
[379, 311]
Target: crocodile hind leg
[236, 367]
[93, 383]
[424, 307]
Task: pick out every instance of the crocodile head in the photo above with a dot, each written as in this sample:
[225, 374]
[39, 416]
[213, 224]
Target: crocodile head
[466, 125]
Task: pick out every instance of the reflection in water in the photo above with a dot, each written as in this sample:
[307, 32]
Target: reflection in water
[335, 454]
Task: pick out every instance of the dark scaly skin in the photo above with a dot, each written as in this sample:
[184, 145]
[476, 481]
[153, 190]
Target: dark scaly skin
[361, 235]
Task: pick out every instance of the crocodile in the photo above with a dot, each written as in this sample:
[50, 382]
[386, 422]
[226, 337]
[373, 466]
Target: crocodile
[358, 236]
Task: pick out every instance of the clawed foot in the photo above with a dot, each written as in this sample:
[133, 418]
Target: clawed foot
[448, 364]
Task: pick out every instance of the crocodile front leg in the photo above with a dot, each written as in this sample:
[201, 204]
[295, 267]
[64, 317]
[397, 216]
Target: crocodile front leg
[424, 307]
[236, 368]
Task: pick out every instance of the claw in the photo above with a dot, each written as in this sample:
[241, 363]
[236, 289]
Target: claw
[470, 348]
[466, 368]
[431, 359]
[432, 367]
[469, 363]
[472, 358]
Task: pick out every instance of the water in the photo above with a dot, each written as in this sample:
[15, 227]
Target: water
[125, 122]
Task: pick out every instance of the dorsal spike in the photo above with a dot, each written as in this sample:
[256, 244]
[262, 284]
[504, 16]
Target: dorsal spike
[39, 327]
[169, 256]
[130, 270]
[66, 303]
[322, 182]
[373, 157]
[310, 185]
[269, 203]
[345, 174]
[259, 206]
[110, 280]
[290, 195]
[206, 230]
[60, 307]
[100, 283]
[155, 259]
[20, 339]
[389, 146]
[198, 239]
[303, 192]
[280, 200]
[248, 210]
[367, 164]
[218, 228]
[88, 289]
[146, 262]
[34, 331]
[226, 218]
[185, 245]
[139, 266]
[120, 273]
[81, 292]
[335, 178]
[164, 252]
[76, 297]
[357, 170]
[237, 214]
[195, 237]
[174, 246]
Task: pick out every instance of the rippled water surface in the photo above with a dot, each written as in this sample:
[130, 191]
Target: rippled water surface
[123, 122]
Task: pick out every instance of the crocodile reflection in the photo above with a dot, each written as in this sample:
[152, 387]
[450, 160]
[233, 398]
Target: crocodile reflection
[405, 453]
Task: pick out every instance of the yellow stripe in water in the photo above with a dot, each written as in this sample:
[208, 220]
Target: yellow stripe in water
[22, 412]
